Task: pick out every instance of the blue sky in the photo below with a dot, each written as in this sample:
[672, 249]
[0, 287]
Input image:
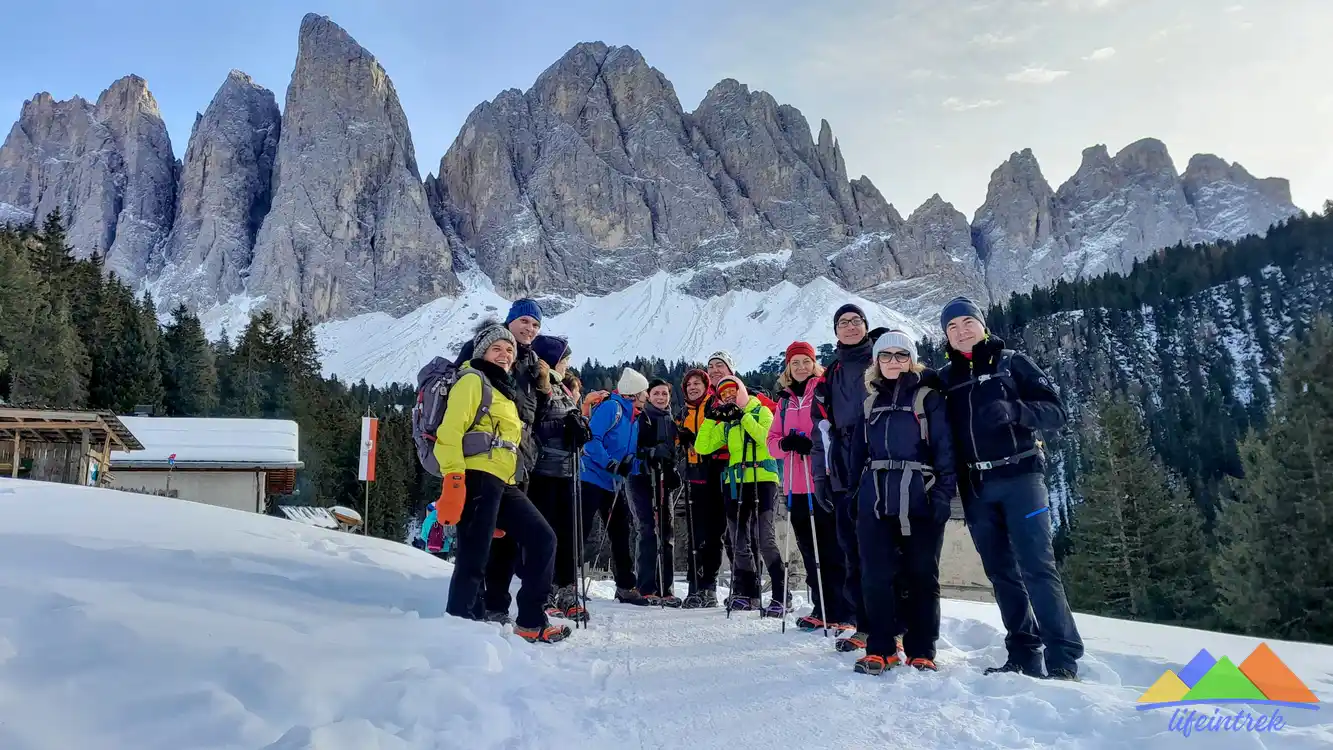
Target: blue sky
[925, 96]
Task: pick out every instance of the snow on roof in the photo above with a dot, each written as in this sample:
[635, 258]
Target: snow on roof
[206, 443]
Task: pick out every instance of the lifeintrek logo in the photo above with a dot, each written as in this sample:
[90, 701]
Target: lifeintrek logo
[1261, 680]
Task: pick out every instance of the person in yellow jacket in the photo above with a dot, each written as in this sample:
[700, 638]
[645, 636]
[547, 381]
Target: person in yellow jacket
[740, 422]
[477, 449]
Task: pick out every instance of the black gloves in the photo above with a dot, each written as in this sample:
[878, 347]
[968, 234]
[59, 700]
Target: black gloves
[795, 442]
[576, 429]
[729, 413]
[622, 468]
[661, 453]
[998, 413]
[686, 437]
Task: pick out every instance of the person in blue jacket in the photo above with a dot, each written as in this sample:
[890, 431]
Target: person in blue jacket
[608, 461]
[424, 536]
[902, 452]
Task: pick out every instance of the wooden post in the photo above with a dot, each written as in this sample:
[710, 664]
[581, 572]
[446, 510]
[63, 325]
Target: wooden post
[85, 447]
[106, 456]
[14, 468]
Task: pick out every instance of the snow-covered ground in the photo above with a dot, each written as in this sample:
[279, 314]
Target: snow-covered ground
[145, 623]
[752, 325]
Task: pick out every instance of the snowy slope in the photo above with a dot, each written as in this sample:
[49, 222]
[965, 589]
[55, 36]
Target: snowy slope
[751, 325]
[144, 623]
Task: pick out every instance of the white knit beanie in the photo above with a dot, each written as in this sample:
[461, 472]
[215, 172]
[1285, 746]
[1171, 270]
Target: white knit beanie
[631, 382]
[725, 356]
[895, 340]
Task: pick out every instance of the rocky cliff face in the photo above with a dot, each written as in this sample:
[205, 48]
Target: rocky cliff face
[594, 178]
[349, 230]
[224, 196]
[1112, 212]
[108, 167]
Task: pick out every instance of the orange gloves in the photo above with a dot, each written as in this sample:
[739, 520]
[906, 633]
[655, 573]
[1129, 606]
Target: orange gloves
[452, 495]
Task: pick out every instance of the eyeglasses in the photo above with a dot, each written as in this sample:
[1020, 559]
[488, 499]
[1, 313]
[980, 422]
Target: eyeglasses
[895, 357]
[852, 322]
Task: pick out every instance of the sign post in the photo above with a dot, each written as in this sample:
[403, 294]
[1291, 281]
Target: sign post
[366, 466]
[171, 466]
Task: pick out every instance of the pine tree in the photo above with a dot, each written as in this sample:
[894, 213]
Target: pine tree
[46, 363]
[189, 376]
[1274, 572]
[1137, 537]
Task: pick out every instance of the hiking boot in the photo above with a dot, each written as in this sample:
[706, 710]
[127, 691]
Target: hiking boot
[546, 634]
[924, 665]
[775, 609]
[809, 623]
[1011, 667]
[874, 664]
[499, 618]
[631, 596]
[1066, 675]
[854, 642]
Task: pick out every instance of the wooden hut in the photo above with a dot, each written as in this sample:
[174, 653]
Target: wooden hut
[61, 445]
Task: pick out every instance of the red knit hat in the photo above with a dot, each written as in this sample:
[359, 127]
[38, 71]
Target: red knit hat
[800, 347]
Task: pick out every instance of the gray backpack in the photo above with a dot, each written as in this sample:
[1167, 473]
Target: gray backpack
[434, 382]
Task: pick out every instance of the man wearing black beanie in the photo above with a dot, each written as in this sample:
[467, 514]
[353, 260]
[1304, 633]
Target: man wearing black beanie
[997, 401]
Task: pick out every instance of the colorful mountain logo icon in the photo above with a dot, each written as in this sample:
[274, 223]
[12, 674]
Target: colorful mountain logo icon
[1262, 679]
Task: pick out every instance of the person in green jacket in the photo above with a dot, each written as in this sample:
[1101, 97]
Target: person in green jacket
[739, 422]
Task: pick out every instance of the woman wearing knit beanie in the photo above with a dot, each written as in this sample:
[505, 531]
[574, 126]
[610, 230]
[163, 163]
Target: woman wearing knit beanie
[705, 513]
[651, 483]
[903, 452]
[479, 464]
[797, 441]
[741, 424]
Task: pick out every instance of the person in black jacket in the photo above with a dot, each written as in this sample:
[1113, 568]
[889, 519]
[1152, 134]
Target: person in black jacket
[524, 321]
[903, 453]
[651, 483]
[842, 397]
[998, 400]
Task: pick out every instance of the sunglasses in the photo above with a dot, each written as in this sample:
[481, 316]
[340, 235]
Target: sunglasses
[895, 357]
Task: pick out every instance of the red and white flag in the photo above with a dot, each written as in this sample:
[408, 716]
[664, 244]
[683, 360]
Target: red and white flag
[369, 438]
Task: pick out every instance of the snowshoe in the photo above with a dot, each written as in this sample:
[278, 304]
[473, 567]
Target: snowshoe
[670, 601]
[775, 609]
[706, 599]
[874, 664]
[809, 623]
[740, 604]
[546, 634]
[1011, 667]
[854, 642]
[499, 618]
[924, 665]
[631, 596]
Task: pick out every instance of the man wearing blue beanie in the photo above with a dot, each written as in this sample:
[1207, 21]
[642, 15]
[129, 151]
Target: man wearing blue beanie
[997, 401]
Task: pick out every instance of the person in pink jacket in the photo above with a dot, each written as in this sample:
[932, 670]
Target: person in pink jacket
[796, 440]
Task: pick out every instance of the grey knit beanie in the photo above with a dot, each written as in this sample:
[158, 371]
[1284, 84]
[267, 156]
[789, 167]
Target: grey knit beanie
[488, 336]
[896, 340]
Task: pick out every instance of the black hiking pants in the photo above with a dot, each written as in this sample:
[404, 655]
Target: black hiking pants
[615, 511]
[708, 510]
[652, 512]
[554, 497]
[493, 504]
[900, 577]
[750, 524]
[832, 570]
[1016, 552]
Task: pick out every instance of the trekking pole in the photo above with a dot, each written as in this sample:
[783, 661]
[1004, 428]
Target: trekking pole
[735, 540]
[786, 569]
[580, 564]
[658, 500]
[620, 487]
[814, 542]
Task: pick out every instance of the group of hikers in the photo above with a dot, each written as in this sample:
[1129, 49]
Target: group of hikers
[866, 456]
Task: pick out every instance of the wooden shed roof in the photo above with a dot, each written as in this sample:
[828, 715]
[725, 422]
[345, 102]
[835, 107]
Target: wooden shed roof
[35, 424]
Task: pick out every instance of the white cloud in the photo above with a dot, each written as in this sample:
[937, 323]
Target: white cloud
[993, 39]
[1104, 53]
[1235, 9]
[1090, 4]
[1036, 75]
[958, 105]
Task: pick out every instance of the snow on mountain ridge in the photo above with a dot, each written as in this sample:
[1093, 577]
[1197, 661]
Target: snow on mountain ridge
[752, 325]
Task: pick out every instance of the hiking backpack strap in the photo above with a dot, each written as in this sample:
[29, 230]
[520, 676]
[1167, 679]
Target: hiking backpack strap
[476, 442]
[1003, 372]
